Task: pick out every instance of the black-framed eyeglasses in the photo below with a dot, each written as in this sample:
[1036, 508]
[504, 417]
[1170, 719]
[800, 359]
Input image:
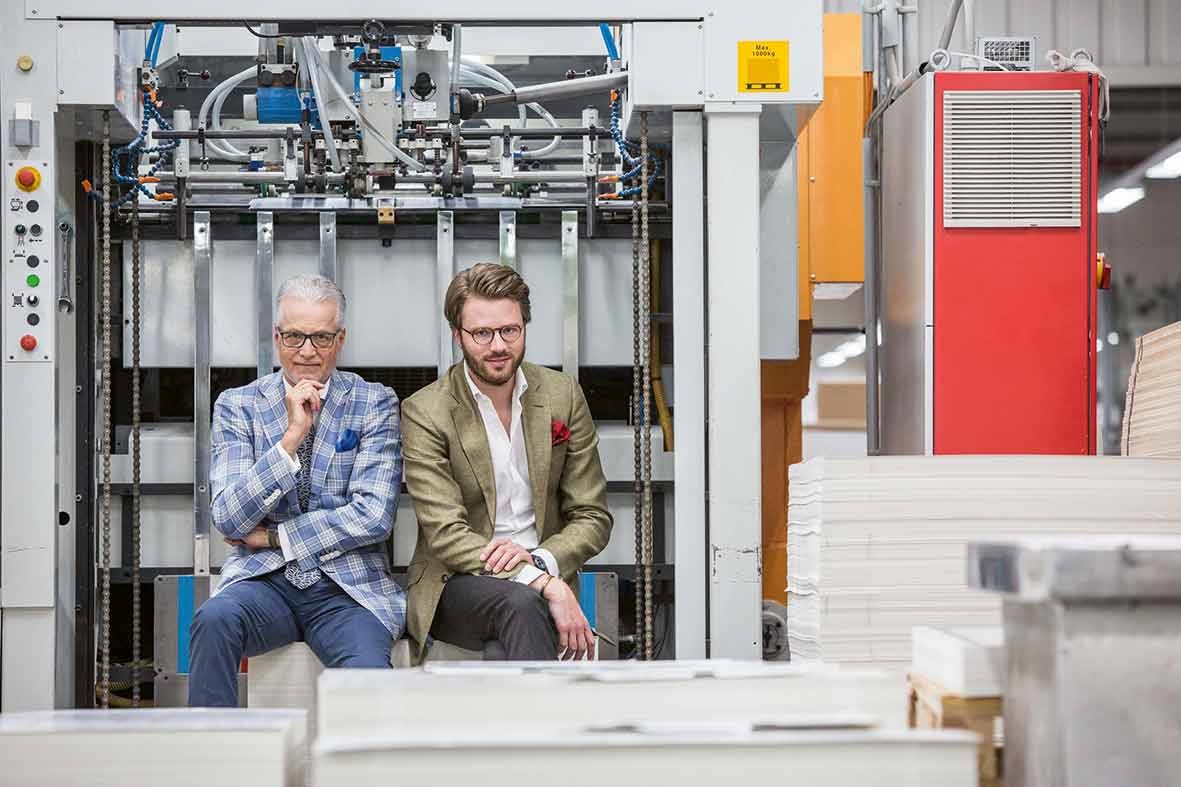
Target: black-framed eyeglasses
[508, 334]
[294, 340]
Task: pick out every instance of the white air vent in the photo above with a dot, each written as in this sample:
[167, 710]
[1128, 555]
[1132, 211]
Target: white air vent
[1012, 158]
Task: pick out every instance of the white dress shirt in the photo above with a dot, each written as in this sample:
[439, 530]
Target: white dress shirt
[293, 463]
[514, 516]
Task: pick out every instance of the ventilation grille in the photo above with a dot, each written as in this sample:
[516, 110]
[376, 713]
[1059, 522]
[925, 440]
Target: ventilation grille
[1014, 52]
[1011, 158]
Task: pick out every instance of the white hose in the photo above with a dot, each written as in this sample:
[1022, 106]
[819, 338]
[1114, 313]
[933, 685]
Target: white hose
[321, 105]
[477, 69]
[226, 150]
[310, 44]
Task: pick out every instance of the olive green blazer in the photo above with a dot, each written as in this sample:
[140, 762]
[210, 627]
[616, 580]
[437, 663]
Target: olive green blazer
[449, 475]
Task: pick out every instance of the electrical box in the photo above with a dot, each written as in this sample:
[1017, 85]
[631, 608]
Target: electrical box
[988, 281]
[426, 85]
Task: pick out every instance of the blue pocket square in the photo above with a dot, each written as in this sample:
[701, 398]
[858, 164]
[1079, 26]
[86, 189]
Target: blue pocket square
[346, 441]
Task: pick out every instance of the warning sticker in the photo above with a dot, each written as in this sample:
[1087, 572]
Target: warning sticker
[763, 67]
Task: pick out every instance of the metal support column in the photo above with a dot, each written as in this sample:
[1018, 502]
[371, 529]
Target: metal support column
[689, 354]
[508, 239]
[444, 271]
[264, 271]
[734, 410]
[570, 303]
[328, 246]
[202, 406]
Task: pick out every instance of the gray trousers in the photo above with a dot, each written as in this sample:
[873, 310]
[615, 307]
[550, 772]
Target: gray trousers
[476, 610]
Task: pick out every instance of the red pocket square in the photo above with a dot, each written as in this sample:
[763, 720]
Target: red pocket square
[559, 433]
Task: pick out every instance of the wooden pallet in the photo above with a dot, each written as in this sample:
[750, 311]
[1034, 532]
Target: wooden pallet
[931, 707]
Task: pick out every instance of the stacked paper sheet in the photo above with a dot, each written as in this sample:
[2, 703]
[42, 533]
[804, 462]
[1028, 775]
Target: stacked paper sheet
[1152, 408]
[877, 545]
[153, 747]
[689, 756]
[965, 660]
[424, 702]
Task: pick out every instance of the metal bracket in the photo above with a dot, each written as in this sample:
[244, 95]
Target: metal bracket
[570, 297]
[202, 406]
[264, 267]
[508, 238]
[328, 246]
[444, 270]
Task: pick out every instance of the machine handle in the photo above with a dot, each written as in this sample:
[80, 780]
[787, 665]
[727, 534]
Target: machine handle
[65, 234]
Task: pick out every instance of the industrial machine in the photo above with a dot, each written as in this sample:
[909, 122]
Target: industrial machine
[989, 268]
[156, 192]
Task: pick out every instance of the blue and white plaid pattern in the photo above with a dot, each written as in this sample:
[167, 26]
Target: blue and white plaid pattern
[354, 492]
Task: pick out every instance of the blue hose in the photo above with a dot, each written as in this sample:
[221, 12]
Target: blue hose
[609, 41]
[151, 41]
[154, 41]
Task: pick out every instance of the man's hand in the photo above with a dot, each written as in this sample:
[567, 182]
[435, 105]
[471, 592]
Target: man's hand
[255, 539]
[303, 402]
[575, 638]
[501, 554]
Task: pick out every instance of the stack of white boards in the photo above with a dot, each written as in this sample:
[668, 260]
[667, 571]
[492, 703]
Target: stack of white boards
[426, 701]
[968, 661]
[1152, 407]
[150, 747]
[590, 724]
[877, 545]
[577, 758]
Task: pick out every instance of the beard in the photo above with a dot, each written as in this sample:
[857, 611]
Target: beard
[483, 371]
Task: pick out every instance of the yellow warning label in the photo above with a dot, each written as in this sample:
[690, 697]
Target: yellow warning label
[763, 67]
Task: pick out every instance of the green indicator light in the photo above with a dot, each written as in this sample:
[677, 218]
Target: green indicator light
[33, 280]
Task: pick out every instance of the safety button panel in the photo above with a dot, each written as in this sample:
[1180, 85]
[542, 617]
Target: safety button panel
[29, 260]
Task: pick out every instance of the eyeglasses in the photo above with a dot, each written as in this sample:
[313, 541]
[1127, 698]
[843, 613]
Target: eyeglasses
[294, 340]
[508, 334]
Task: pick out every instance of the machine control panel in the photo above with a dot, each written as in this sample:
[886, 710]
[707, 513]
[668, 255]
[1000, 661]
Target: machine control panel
[28, 262]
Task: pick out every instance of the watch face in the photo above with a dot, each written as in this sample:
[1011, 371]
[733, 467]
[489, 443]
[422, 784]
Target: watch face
[537, 561]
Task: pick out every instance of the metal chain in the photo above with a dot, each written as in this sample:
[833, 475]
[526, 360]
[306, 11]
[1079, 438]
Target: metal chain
[105, 625]
[646, 359]
[637, 482]
[136, 612]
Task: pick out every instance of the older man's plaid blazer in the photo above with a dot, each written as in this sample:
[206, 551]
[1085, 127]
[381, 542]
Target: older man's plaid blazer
[354, 489]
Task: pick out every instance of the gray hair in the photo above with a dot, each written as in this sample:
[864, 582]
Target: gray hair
[309, 287]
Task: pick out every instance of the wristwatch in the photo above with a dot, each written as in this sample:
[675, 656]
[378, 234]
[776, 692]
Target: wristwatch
[539, 562]
[273, 538]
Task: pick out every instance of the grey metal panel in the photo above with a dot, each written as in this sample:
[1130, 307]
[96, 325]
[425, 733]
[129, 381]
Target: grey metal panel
[166, 537]
[394, 311]
[164, 618]
[171, 690]
[444, 271]
[264, 275]
[733, 422]
[607, 613]
[1164, 31]
[202, 406]
[688, 390]
[508, 238]
[328, 245]
[570, 299]
[779, 334]
[906, 180]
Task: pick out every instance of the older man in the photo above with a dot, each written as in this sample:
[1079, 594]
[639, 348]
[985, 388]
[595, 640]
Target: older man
[306, 469]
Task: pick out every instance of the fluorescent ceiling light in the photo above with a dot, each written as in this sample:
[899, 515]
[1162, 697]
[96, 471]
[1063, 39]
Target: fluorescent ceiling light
[1169, 168]
[1117, 199]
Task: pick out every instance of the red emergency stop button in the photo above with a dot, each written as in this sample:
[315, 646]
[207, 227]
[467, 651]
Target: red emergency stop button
[28, 178]
[28, 342]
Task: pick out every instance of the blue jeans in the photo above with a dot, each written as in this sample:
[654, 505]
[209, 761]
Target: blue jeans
[256, 615]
